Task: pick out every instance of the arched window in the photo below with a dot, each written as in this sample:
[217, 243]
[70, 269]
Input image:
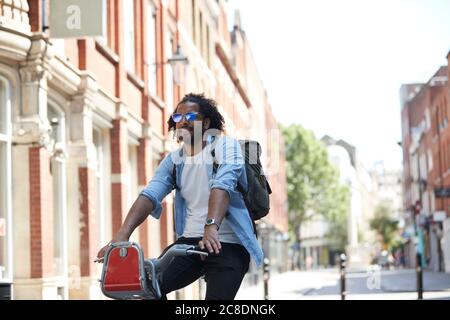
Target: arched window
[5, 183]
[56, 117]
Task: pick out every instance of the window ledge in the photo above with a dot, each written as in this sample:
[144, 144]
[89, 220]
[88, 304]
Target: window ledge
[107, 52]
[136, 80]
[157, 102]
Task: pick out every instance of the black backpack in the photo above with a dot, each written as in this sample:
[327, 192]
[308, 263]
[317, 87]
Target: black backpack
[256, 197]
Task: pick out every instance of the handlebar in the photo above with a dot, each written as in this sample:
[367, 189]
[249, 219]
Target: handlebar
[155, 267]
[176, 250]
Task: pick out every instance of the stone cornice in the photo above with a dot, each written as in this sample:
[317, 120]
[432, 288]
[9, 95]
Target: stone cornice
[14, 45]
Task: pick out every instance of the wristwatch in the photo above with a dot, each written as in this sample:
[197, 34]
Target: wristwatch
[211, 221]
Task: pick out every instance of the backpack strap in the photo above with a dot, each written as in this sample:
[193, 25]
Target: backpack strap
[215, 163]
[174, 173]
[174, 177]
[238, 187]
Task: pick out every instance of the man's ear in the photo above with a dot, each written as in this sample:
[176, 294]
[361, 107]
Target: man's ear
[206, 123]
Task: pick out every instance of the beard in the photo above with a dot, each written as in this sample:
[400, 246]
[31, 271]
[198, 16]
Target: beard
[190, 135]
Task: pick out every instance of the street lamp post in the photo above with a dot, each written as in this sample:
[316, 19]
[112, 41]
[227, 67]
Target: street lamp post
[419, 271]
[342, 266]
[178, 63]
[266, 277]
[416, 214]
[264, 232]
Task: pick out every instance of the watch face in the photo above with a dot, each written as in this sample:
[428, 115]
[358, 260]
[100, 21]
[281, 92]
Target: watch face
[209, 221]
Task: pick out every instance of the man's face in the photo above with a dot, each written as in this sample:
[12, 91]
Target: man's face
[190, 132]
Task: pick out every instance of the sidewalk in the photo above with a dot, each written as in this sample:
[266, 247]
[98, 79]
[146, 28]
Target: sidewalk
[405, 281]
[324, 285]
[290, 285]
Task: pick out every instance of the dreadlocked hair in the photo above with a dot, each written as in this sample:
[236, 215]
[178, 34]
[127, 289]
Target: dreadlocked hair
[208, 108]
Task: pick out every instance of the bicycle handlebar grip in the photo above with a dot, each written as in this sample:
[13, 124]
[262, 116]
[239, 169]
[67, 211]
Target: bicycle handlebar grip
[177, 250]
[197, 248]
[199, 252]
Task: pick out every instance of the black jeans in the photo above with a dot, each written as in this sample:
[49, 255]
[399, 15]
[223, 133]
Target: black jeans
[223, 272]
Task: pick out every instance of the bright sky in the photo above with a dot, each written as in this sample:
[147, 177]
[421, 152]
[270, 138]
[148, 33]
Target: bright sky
[336, 66]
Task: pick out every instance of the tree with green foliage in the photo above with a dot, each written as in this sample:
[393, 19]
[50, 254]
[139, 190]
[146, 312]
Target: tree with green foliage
[313, 185]
[385, 225]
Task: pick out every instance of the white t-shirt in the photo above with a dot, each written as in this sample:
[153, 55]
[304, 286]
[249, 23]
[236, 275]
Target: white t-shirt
[195, 191]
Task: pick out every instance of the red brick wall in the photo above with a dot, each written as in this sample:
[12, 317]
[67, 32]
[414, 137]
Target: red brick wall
[88, 228]
[439, 144]
[119, 146]
[119, 202]
[41, 213]
[278, 215]
[35, 15]
[119, 158]
[144, 161]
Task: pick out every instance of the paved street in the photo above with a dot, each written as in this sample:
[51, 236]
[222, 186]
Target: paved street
[361, 285]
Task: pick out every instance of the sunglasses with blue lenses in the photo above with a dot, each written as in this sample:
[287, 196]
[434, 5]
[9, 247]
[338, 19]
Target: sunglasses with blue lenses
[190, 116]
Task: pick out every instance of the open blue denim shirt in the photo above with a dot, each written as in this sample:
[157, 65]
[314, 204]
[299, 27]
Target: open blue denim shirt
[230, 171]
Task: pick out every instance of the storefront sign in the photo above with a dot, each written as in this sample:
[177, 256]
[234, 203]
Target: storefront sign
[76, 18]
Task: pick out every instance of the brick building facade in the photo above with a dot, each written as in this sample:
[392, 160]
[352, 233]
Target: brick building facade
[426, 163]
[83, 127]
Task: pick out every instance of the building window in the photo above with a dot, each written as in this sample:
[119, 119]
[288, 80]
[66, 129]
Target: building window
[5, 184]
[427, 120]
[99, 143]
[405, 127]
[105, 38]
[423, 166]
[128, 35]
[201, 32]
[433, 202]
[446, 164]
[208, 47]
[58, 170]
[430, 160]
[193, 25]
[169, 72]
[151, 47]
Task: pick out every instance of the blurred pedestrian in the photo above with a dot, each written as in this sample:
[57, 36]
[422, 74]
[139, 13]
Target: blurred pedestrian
[309, 262]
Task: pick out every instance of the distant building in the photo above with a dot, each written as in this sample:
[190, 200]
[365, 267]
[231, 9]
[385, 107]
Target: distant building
[363, 199]
[315, 248]
[389, 189]
[425, 113]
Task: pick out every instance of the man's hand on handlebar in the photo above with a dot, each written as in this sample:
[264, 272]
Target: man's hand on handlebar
[118, 237]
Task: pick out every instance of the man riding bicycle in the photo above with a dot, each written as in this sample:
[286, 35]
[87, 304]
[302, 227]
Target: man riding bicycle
[209, 210]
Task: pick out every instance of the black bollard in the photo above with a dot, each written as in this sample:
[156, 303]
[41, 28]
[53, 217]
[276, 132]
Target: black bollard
[266, 276]
[342, 265]
[419, 272]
